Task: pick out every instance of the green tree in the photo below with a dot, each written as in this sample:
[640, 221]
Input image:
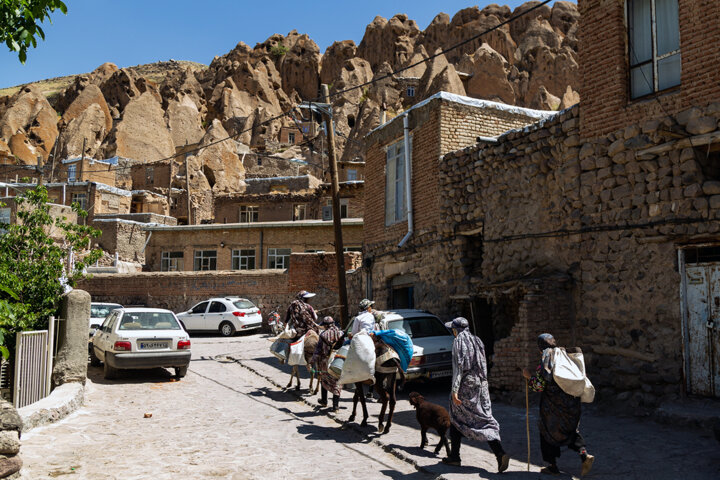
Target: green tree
[20, 23]
[35, 267]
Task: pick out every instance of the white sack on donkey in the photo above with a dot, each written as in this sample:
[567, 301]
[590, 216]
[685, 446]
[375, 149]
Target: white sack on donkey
[360, 362]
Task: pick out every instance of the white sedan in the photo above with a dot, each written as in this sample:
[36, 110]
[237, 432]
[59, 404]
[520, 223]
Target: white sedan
[226, 315]
[140, 338]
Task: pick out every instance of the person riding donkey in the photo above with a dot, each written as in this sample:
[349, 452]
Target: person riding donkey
[300, 315]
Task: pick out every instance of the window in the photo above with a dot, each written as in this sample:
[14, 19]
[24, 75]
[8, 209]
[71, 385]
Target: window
[654, 37]
[344, 204]
[205, 260]
[410, 91]
[72, 172]
[171, 262]
[299, 212]
[80, 199]
[4, 219]
[351, 175]
[278, 258]
[243, 259]
[352, 249]
[216, 307]
[259, 161]
[199, 308]
[291, 137]
[248, 213]
[395, 209]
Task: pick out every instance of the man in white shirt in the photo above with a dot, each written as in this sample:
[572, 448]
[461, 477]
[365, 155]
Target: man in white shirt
[365, 319]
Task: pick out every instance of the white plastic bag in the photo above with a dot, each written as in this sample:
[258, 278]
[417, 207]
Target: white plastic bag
[360, 362]
[297, 353]
[569, 373]
[288, 332]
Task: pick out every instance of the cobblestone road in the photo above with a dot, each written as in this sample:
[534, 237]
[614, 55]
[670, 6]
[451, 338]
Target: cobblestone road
[219, 422]
[224, 421]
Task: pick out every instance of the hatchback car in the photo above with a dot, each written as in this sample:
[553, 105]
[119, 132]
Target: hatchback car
[140, 338]
[226, 315]
[432, 342]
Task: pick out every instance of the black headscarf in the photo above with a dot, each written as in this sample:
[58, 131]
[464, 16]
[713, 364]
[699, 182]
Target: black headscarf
[547, 345]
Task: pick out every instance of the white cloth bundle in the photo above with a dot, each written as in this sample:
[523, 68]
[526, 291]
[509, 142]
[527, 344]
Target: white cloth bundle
[360, 362]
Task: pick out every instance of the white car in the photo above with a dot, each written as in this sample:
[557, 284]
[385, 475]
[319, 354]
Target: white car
[139, 338]
[99, 312]
[432, 342]
[226, 315]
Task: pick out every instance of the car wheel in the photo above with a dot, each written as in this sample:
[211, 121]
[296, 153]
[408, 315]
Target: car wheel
[227, 329]
[180, 372]
[109, 372]
[94, 360]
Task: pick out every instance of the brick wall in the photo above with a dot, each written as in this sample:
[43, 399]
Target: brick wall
[604, 65]
[269, 289]
[296, 237]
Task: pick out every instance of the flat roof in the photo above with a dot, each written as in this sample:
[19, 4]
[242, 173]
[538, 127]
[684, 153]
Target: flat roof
[255, 225]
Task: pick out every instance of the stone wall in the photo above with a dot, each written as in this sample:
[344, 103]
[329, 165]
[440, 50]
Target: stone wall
[10, 427]
[124, 237]
[609, 212]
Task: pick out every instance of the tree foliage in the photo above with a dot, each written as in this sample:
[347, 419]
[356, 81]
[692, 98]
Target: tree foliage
[35, 267]
[20, 23]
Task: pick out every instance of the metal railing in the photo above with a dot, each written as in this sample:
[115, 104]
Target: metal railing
[33, 365]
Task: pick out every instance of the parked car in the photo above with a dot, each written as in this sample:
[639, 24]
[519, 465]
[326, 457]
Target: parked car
[99, 312]
[226, 315]
[432, 342]
[139, 338]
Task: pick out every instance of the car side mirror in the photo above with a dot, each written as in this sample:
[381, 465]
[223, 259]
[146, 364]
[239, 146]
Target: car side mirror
[95, 326]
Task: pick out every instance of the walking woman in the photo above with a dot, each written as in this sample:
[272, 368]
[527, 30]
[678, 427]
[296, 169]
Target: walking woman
[559, 412]
[330, 337]
[470, 409]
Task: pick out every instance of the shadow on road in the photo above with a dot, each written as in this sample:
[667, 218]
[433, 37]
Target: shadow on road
[153, 375]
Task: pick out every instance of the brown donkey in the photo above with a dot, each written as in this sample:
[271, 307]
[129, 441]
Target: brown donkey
[311, 340]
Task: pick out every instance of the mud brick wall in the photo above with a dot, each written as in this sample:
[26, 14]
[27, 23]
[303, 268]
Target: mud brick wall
[609, 211]
[604, 62]
[124, 237]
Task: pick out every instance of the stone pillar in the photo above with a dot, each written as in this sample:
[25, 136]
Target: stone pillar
[72, 357]
[10, 428]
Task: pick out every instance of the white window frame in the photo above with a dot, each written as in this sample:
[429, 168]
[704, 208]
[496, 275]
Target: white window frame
[395, 182]
[205, 260]
[635, 65]
[279, 258]
[249, 213]
[72, 172]
[291, 137]
[244, 259]
[170, 261]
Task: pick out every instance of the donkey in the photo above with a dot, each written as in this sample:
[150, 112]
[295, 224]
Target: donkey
[311, 340]
[387, 366]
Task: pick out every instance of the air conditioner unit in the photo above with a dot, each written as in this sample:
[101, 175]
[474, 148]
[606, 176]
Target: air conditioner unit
[327, 212]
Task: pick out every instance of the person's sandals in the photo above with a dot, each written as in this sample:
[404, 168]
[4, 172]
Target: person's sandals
[451, 461]
[587, 464]
[550, 470]
[503, 462]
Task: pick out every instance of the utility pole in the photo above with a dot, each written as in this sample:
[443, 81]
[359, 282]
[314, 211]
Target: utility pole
[169, 195]
[40, 169]
[337, 223]
[187, 187]
[82, 161]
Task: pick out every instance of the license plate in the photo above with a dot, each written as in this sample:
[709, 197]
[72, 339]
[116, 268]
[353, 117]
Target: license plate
[441, 373]
[153, 345]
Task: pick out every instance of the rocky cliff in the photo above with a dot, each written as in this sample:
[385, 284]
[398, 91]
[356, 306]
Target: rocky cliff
[130, 113]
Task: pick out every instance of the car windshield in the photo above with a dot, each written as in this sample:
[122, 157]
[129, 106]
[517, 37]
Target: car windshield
[419, 327]
[148, 321]
[102, 311]
[241, 304]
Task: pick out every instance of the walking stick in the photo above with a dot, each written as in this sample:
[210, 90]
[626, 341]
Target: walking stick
[527, 422]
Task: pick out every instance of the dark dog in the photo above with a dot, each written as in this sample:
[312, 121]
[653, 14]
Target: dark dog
[430, 415]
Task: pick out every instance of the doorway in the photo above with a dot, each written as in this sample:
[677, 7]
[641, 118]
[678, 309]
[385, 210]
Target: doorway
[700, 310]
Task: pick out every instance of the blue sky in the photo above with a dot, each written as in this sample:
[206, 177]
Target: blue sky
[132, 32]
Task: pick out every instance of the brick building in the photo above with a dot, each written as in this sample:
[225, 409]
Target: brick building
[86, 170]
[600, 224]
[242, 246]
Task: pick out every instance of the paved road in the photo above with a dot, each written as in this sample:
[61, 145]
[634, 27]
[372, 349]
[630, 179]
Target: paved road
[221, 420]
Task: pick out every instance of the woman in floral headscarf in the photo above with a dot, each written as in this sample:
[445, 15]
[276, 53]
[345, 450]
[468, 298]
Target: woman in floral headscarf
[559, 412]
[470, 410]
